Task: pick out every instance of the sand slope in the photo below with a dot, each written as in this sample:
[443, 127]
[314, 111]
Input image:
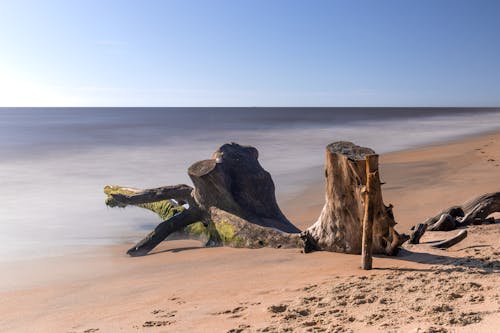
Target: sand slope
[184, 288]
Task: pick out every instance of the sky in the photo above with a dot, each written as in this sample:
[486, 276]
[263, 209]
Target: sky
[249, 53]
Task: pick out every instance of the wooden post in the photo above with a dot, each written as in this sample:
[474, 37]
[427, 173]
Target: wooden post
[371, 187]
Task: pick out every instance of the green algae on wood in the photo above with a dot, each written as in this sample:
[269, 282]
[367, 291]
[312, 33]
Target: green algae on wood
[228, 234]
[232, 203]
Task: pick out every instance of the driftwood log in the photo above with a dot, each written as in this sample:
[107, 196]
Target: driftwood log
[471, 212]
[451, 241]
[340, 224]
[417, 233]
[475, 211]
[233, 199]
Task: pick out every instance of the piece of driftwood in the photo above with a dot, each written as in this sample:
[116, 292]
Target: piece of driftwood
[233, 198]
[445, 223]
[340, 224]
[477, 209]
[451, 241]
[372, 184]
[475, 212]
[417, 233]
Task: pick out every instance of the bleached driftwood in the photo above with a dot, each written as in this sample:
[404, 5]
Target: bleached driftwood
[340, 224]
[475, 211]
[451, 241]
[472, 212]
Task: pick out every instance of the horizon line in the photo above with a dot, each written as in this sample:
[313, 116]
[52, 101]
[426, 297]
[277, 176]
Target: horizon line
[254, 107]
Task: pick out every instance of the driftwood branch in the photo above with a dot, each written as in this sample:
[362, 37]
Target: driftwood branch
[475, 211]
[445, 223]
[451, 241]
[480, 207]
[417, 233]
[472, 212]
[131, 196]
[163, 230]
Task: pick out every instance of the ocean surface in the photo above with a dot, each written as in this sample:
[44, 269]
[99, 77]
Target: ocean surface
[54, 162]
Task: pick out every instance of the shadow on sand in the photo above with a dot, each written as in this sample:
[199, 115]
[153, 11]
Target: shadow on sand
[449, 264]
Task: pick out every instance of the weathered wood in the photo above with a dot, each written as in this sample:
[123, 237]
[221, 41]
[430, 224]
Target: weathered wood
[174, 223]
[233, 203]
[478, 208]
[132, 196]
[445, 223]
[417, 233]
[234, 181]
[451, 241]
[339, 226]
[372, 185]
[453, 211]
[489, 220]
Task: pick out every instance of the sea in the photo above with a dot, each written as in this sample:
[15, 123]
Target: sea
[54, 162]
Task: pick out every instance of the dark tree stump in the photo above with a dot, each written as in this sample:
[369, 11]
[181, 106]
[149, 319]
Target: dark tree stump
[233, 198]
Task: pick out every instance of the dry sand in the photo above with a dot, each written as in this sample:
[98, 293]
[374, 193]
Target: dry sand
[184, 288]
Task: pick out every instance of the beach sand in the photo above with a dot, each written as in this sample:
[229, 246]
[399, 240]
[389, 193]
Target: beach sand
[182, 287]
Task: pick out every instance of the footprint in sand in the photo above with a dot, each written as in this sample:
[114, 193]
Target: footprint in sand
[236, 312]
[310, 287]
[157, 323]
[476, 298]
[277, 308]
[178, 300]
[164, 313]
[239, 329]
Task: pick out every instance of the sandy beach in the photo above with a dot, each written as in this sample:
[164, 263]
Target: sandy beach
[182, 287]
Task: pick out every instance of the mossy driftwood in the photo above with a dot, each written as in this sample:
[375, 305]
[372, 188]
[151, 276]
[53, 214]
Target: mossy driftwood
[233, 203]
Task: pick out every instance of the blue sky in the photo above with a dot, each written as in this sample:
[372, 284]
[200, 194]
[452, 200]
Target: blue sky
[249, 53]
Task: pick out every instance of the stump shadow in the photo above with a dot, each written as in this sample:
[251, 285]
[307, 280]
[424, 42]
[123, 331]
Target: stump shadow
[448, 263]
[178, 249]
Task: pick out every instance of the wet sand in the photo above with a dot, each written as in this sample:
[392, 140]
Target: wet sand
[182, 287]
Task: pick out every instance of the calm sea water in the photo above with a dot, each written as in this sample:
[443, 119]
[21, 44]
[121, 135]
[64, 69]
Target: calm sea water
[55, 162]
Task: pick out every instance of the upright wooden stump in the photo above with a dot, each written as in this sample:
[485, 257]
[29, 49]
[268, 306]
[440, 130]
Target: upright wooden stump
[372, 184]
[339, 227]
